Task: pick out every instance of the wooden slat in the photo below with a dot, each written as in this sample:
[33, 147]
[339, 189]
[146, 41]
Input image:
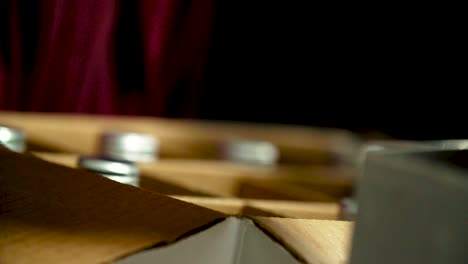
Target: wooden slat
[315, 241]
[217, 178]
[179, 138]
[255, 207]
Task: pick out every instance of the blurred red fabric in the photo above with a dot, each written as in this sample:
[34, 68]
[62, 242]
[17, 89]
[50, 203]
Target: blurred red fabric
[75, 60]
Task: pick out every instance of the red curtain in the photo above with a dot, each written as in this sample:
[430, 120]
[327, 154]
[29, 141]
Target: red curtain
[103, 56]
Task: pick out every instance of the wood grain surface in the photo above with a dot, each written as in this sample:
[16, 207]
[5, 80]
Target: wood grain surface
[53, 214]
[314, 241]
[225, 179]
[179, 138]
[277, 208]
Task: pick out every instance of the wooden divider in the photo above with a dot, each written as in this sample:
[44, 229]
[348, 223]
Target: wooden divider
[224, 179]
[256, 207]
[179, 138]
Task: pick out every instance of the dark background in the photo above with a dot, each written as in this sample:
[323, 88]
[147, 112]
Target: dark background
[394, 69]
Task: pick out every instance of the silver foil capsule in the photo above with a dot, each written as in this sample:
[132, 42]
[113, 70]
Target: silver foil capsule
[348, 209]
[125, 172]
[250, 151]
[129, 146]
[13, 139]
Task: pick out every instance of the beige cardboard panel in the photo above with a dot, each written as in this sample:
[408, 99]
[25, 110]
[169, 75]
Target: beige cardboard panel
[315, 241]
[233, 241]
[53, 214]
[179, 138]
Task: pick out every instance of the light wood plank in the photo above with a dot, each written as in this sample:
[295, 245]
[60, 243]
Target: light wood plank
[218, 178]
[256, 207]
[179, 138]
[315, 241]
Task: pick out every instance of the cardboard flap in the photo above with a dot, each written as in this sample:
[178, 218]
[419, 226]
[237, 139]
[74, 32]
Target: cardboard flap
[232, 241]
[315, 241]
[413, 208]
[53, 214]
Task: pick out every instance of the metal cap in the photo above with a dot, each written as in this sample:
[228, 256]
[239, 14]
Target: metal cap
[129, 146]
[348, 209]
[250, 151]
[12, 138]
[118, 170]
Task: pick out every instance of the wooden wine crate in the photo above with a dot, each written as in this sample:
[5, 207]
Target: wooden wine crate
[50, 213]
